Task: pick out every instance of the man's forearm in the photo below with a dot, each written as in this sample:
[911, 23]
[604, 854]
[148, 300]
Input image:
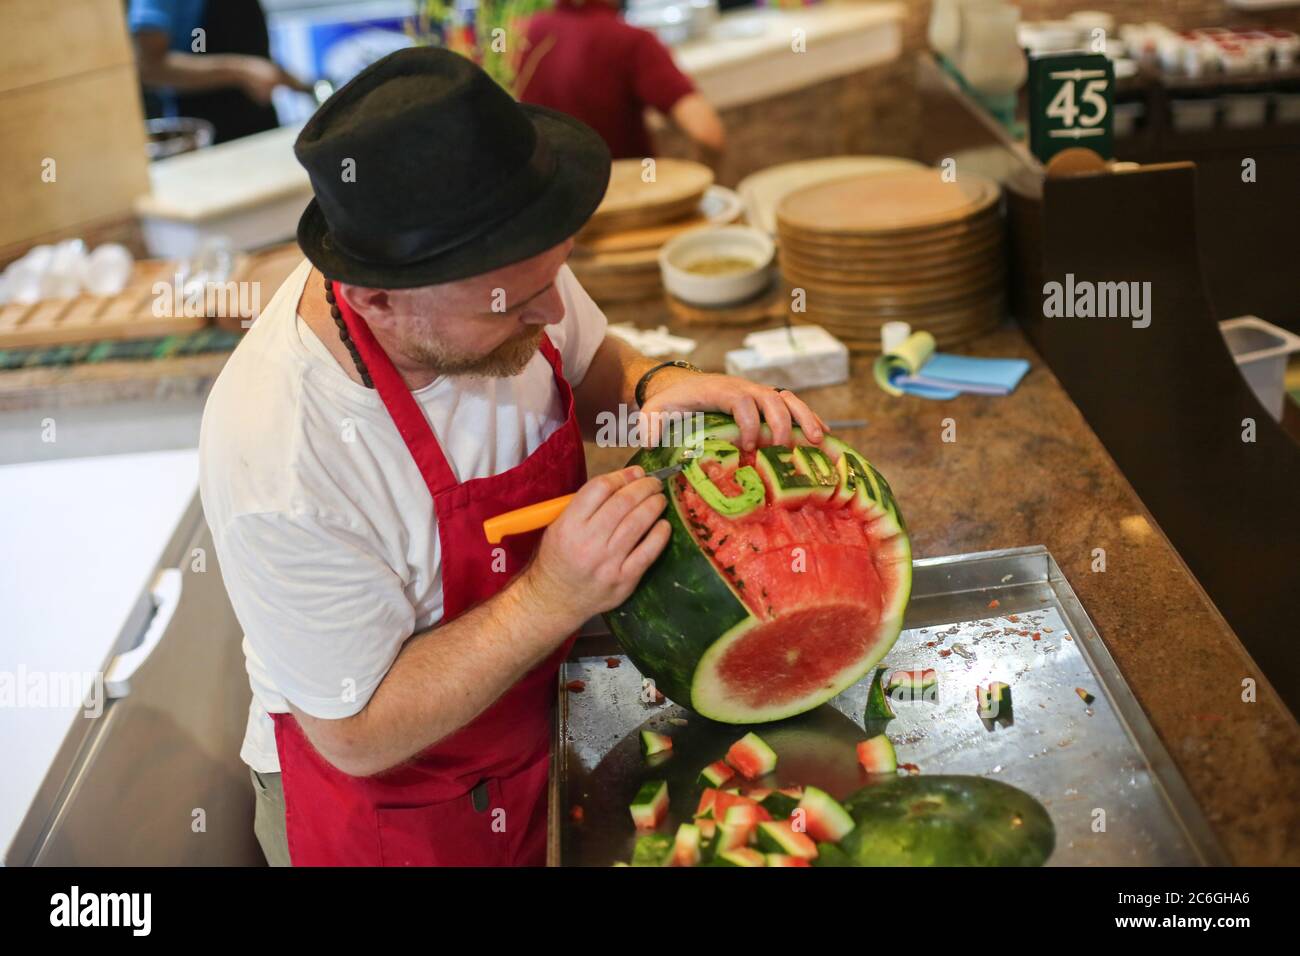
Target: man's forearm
[442, 679]
[611, 381]
[188, 72]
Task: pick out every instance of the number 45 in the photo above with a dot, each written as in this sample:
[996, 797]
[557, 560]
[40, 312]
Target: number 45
[1063, 106]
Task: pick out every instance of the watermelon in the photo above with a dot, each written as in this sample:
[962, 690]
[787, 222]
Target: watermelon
[778, 836]
[652, 849]
[779, 804]
[653, 743]
[783, 859]
[785, 578]
[650, 805]
[716, 774]
[994, 701]
[878, 707]
[823, 817]
[829, 854]
[732, 836]
[751, 756]
[716, 803]
[742, 856]
[686, 846]
[877, 755]
[947, 821]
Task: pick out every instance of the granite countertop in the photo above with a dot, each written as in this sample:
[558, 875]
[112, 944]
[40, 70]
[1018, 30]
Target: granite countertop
[1027, 469]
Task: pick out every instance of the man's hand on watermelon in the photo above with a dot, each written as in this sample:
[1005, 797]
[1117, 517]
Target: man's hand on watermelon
[617, 367]
[750, 404]
[591, 558]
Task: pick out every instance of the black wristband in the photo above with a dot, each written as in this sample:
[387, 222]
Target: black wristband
[639, 392]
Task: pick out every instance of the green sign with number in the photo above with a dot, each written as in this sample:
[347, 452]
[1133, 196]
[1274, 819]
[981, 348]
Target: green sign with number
[1071, 96]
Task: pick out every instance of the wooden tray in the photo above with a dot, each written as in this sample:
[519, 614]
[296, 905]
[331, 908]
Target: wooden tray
[87, 318]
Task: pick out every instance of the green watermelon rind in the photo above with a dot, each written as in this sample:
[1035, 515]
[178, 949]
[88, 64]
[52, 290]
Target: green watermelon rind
[974, 821]
[658, 625]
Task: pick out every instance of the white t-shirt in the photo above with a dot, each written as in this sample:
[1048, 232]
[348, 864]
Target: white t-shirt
[323, 526]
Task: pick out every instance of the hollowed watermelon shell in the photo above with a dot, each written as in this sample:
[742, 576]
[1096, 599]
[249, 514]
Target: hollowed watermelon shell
[723, 623]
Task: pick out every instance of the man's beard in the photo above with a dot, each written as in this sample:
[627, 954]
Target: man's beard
[507, 359]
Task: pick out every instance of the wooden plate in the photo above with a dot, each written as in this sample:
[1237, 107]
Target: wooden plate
[948, 240]
[631, 240]
[952, 233]
[675, 190]
[903, 201]
[900, 300]
[764, 190]
[908, 269]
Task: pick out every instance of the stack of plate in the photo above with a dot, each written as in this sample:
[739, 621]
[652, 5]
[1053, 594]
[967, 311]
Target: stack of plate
[904, 245]
[616, 255]
[763, 191]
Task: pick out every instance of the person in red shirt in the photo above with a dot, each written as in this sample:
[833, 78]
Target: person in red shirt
[583, 60]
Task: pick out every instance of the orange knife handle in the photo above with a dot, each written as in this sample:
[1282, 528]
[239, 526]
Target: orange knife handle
[529, 518]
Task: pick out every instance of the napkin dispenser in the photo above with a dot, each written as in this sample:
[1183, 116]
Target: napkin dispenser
[796, 357]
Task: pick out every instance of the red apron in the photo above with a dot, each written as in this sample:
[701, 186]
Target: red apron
[478, 797]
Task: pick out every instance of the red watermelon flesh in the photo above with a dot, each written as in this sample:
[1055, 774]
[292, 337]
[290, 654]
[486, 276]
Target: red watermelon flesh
[771, 604]
[816, 621]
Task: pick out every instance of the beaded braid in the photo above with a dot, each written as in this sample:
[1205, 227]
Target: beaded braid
[346, 336]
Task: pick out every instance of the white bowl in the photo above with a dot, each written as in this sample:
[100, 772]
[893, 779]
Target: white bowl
[741, 242]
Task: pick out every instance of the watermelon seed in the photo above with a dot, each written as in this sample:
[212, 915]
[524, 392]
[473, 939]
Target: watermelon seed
[723, 540]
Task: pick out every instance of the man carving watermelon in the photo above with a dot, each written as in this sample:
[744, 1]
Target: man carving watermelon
[379, 410]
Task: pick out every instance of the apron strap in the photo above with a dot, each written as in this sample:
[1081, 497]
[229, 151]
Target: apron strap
[406, 413]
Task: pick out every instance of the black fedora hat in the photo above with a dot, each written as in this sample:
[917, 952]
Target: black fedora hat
[425, 170]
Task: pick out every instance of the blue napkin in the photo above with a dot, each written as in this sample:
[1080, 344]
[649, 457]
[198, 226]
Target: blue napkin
[946, 376]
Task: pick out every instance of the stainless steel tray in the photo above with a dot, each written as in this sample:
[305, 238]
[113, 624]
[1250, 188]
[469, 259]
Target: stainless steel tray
[1090, 765]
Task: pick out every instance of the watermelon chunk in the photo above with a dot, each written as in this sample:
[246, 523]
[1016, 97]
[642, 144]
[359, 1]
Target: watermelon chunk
[823, 817]
[877, 755]
[653, 743]
[778, 836]
[754, 617]
[878, 707]
[780, 804]
[784, 859]
[732, 836]
[652, 849]
[650, 805]
[716, 774]
[994, 701]
[751, 756]
[686, 846]
[743, 856]
[716, 803]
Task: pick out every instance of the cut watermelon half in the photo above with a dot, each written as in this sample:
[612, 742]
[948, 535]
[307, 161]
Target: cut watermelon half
[757, 613]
